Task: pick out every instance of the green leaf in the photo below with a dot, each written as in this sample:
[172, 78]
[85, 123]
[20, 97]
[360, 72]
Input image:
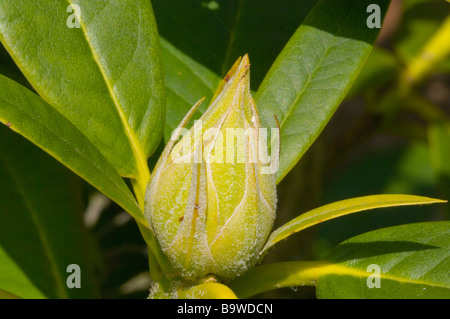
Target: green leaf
[27, 114]
[413, 260]
[389, 169]
[234, 28]
[41, 226]
[313, 73]
[416, 258]
[194, 56]
[9, 68]
[342, 208]
[186, 82]
[104, 76]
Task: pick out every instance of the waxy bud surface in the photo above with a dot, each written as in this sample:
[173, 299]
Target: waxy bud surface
[209, 203]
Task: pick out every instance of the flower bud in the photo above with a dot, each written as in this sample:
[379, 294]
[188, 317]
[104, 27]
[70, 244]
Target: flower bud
[210, 203]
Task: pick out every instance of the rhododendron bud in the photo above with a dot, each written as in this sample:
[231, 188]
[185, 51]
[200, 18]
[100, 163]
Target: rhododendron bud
[212, 197]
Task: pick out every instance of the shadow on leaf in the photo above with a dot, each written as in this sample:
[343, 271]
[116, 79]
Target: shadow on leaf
[354, 251]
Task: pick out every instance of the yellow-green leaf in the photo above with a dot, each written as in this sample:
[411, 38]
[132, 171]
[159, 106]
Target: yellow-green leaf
[342, 208]
[313, 73]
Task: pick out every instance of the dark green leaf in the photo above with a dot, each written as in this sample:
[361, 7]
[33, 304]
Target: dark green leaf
[216, 32]
[27, 114]
[186, 82]
[9, 68]
[313, 73]
[41, 229]
[341, 208]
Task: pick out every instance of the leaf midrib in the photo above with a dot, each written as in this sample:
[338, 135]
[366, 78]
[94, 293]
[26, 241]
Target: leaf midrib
[428, 242]
[308, 82]
[140, 157]
[339, 269]
[401, 279]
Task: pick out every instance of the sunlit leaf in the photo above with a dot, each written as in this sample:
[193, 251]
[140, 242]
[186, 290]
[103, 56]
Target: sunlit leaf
[26, 113]
[412, 261]
[233, 28]
[342, 208]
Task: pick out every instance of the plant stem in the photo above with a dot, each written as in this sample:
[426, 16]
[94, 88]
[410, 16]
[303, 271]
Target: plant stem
[156, 259]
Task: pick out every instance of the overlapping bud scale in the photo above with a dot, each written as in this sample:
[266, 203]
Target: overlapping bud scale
[209, 203]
